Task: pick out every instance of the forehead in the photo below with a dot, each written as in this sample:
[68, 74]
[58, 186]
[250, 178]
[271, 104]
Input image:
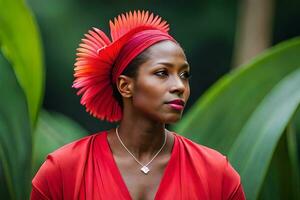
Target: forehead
[165, 52]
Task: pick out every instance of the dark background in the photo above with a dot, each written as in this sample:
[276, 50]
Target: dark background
[205, 29]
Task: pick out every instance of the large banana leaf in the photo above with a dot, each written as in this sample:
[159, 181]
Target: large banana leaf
[283, 169]
[20, 43]
[15, 136]
[231, 100]
[220, 117]
[253, 149]
[53, 131]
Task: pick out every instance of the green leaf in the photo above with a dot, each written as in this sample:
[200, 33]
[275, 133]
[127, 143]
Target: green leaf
[15, 136]
[254, 147]
[53, 131]
[20, 43]
[237, 115]
[4, 192]
[282, 180]
[224, 108]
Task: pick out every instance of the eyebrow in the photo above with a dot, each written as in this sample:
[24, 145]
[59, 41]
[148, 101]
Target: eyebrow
[184, 65]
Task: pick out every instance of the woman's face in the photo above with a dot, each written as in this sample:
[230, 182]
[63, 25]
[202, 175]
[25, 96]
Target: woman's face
[161, 88]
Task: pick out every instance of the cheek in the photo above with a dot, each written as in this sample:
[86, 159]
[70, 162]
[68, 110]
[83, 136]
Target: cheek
[148, 95]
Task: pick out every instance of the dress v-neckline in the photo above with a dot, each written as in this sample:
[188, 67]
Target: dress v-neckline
[119, 177]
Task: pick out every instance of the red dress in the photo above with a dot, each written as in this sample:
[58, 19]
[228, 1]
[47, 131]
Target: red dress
[85, 169]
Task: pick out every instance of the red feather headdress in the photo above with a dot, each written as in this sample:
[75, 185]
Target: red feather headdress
[100, 61]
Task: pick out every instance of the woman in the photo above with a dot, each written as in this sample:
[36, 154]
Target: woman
[141, 79]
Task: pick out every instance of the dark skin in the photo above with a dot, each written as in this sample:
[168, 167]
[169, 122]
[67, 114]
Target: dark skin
[161, 78]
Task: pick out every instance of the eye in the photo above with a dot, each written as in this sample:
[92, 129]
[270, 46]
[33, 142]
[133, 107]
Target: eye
[185, 75]
[161, 73]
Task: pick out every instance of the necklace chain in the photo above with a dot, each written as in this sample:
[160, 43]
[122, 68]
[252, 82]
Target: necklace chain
[144, 168]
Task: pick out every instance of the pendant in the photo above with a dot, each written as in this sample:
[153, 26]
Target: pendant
[145, 169]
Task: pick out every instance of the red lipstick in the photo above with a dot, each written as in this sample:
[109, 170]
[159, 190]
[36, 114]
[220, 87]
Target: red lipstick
[177, 104]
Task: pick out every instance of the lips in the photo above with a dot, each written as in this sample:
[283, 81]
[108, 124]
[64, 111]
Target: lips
[177, 104]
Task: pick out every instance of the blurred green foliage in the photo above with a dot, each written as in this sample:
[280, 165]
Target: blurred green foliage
[205, 29]
[20, 43]
[245, 114]
[15, 136]
[251, 111]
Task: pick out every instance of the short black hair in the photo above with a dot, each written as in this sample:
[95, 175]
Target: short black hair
[131, 71]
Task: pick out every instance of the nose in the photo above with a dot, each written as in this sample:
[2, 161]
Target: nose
[177, 86]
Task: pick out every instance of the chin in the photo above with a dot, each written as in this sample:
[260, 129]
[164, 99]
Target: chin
[166, 118]
[172, 119]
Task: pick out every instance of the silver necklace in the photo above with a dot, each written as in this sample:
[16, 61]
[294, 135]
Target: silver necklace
[144, 168]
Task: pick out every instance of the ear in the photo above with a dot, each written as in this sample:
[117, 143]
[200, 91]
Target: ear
[125, 86]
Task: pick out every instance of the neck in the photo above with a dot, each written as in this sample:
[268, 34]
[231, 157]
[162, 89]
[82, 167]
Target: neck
[143, 138]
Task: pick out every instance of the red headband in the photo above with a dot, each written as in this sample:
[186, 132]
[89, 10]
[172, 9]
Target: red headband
[100, 62]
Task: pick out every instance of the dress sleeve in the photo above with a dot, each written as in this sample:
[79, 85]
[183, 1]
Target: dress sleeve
[232, 186]
[47, 182]
[37, 195]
